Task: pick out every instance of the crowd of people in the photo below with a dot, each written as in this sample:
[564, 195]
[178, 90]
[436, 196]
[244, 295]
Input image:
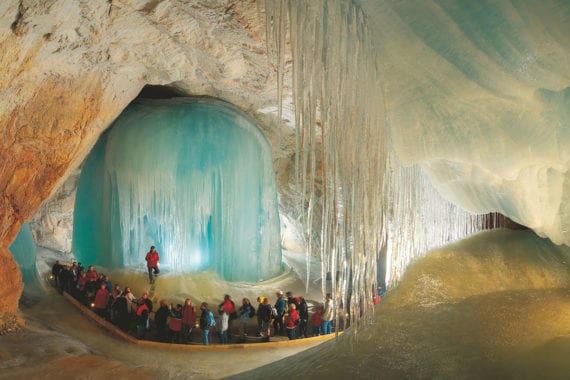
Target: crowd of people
[288, 316]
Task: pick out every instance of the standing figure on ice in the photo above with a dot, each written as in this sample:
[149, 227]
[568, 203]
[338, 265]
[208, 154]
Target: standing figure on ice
[328, 315]
[152, 263]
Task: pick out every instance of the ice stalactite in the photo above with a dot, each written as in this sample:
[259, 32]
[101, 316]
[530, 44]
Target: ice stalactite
[192, 177]
[359, 203]
[339, 143]
[418, 219]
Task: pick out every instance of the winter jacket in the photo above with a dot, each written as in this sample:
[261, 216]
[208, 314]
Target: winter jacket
[175, 324]
[205, 319]
[81, 283]
[189, 315]
[265, 312]
[142, 315]
[244, 313]
[317, 319]
[280, 306]
[303, 310]
[328, 310]
[92, 275]
[291, 320]
[152, 259]
[101, 299]
[161, 316]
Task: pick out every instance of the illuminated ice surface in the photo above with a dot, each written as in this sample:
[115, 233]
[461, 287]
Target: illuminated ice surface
[23, 248]
[192, 177]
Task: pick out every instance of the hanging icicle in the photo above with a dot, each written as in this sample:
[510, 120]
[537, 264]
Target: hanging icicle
[361, 207]
[340, 152]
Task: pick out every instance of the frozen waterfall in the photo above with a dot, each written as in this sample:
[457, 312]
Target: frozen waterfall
[192, 177]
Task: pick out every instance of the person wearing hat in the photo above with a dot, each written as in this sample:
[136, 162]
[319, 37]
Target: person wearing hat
[266, 312]
[280, 307]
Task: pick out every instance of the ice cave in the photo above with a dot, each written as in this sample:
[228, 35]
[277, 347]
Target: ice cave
[311, 146]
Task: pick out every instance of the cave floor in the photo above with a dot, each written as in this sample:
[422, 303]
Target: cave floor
[60, 343]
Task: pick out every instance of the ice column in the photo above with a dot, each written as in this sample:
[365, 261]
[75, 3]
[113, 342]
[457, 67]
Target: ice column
[192, 177]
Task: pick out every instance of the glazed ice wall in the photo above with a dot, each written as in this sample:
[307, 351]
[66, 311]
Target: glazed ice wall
[192, 177]
[478, 96]
[23, 248]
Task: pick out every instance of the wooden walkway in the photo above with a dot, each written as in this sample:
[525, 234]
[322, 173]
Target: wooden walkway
[114, 330]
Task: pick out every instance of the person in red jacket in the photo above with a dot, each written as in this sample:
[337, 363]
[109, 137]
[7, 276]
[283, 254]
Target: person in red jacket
[142, 318]
[92, 275]
[152, 258]
[101, 301]
[291, 321]
[228, 307]
[189, 316]
[91, 285]
[317, 321]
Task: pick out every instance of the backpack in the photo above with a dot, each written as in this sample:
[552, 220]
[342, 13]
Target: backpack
[211, 319]
[251, 311]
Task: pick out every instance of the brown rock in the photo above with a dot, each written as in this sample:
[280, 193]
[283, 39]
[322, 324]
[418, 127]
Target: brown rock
[12, 286]
[41, 139]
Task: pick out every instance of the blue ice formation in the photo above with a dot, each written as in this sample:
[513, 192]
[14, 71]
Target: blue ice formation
[192, 177]
[23, 248]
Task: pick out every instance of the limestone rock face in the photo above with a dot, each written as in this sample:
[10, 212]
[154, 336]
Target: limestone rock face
[52, 225]
[11, 286]
[68, 69]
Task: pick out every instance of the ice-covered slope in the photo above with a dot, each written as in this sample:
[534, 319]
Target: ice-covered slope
[492, 306]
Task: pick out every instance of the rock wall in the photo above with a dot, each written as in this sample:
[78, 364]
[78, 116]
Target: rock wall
[11, 286]
[52, 225]
[68, 69]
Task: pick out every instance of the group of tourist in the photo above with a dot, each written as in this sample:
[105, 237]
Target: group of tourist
[288, 316]
[291, 315]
